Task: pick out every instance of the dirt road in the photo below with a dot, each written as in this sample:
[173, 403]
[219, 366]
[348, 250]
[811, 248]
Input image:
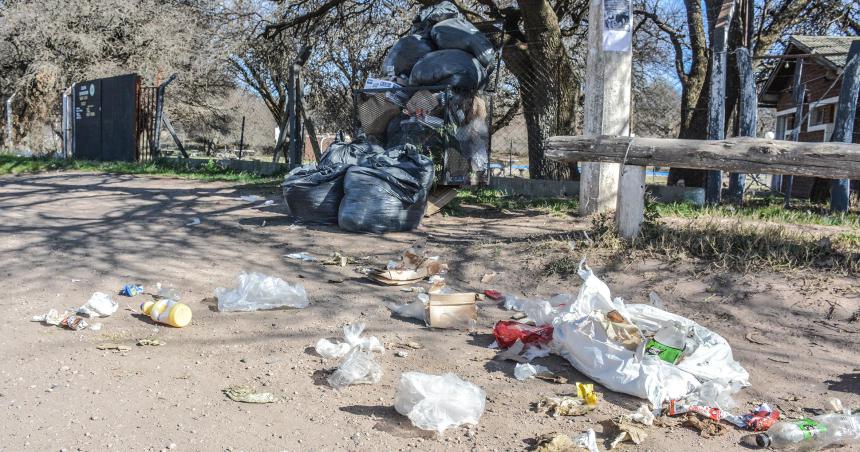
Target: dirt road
[64, 236]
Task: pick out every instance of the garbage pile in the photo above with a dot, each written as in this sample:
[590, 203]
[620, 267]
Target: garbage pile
[428, 102]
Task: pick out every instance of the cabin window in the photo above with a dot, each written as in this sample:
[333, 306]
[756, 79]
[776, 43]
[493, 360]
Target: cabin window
[822, 114]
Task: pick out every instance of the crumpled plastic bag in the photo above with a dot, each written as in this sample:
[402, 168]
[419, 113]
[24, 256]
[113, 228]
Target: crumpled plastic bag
[415, 310]
[579, 336]
[715, 393]
[352, 335]
[524, 371]
[256, 291]
[438, 402]
[404, 54]
[458, 33]
[358, 367]
[99, 305]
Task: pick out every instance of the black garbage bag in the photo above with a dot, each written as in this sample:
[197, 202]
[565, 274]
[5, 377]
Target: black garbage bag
[448, 67]
[404, 54]
[348, 153]
[460, 34]
[313, 195]
[388, 194]
[423, 22]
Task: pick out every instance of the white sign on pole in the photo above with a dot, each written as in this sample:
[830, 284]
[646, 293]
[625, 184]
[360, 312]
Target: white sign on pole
[617, 28]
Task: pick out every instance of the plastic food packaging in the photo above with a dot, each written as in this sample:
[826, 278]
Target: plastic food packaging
[313, 196]
[404, 54]
[762, 418]
[358, 367]
[256, 291]
[130, 290]
[587, 440]
[352, 335]
[438, 402]
[812, 433]
[168, 312]
[451, 67]
[74, 322]
[388, 194]
[508, 331]
[458, 33]
[99, 305]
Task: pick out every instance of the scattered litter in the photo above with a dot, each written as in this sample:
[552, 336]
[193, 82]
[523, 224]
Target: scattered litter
[352, 335]
[524, 371]
[74, 322]
[410, 268]
[337, 259]
[560, 442]
[762, 418]
[706, 427]
[168, 312]
[99, 305]
[488, 277]
[155, 342]
[130, 290]
[507, 332]
[536, 351]
[628, 431]
[656, 301]
[453, 311]
[194, 221]
[115, 347]
[247, 394]
[563, 406]
[52, 317]
[358, 367]
[414, 310]
[511, 353]
[643, 416]
[494, 295]
[814, 433]
[301, 257]
[401, 354]
[715, 393]
[438, 402]
[167, 292]
[256, 291]
[251, 198]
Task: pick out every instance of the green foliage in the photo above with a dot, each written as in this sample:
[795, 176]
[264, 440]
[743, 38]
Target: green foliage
[497, 200]
[211, 171]
[764, 209]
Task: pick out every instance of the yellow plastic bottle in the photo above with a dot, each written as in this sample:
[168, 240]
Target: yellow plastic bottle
[168, 312]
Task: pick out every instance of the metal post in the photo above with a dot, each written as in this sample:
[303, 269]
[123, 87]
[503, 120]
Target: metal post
[746, 116]
[717, 98]
[291, 110]
[798, 92]
[843, 124]
[242, 138]
[159, 109]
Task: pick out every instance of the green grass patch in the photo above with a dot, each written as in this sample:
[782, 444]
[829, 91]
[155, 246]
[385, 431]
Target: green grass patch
[210, 171]
[765, 209]
[496, 200]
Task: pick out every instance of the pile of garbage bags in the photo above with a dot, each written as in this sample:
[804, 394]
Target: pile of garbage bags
[442, 50]
[362, 188]
[636, 349]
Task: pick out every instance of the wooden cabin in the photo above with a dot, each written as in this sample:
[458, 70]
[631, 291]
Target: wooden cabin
[825, 60]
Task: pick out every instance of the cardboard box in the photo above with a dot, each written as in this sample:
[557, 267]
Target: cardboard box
[454, 311]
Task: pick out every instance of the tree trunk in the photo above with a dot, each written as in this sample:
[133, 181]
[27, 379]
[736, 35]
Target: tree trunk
[548, 88]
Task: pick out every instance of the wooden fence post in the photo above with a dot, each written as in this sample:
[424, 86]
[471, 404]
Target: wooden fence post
[843, 124]
[747, 116]
[798, 96]
[607, 97]
[717, 98]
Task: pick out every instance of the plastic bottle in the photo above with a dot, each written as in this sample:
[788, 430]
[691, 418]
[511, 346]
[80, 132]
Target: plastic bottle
[168, 312]
[669, 343]
[812, 433]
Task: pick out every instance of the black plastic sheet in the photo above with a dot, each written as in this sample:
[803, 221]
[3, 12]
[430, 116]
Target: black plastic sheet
[313, 195]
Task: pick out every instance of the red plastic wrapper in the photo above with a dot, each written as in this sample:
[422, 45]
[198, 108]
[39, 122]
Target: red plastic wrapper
[762, 418]
[508, 331]
[494, 295]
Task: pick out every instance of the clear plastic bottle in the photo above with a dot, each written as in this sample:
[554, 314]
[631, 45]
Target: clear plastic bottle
[812, 433]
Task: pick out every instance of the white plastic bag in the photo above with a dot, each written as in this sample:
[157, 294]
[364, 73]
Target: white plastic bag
[358, 367]
[524, 371]
[580, 337]
[99, 305]
[587, 440]
[352, 334]
[414, 310]
[438, 402]
[256, 291]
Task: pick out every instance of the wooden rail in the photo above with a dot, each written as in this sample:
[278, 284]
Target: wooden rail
[749, 155]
